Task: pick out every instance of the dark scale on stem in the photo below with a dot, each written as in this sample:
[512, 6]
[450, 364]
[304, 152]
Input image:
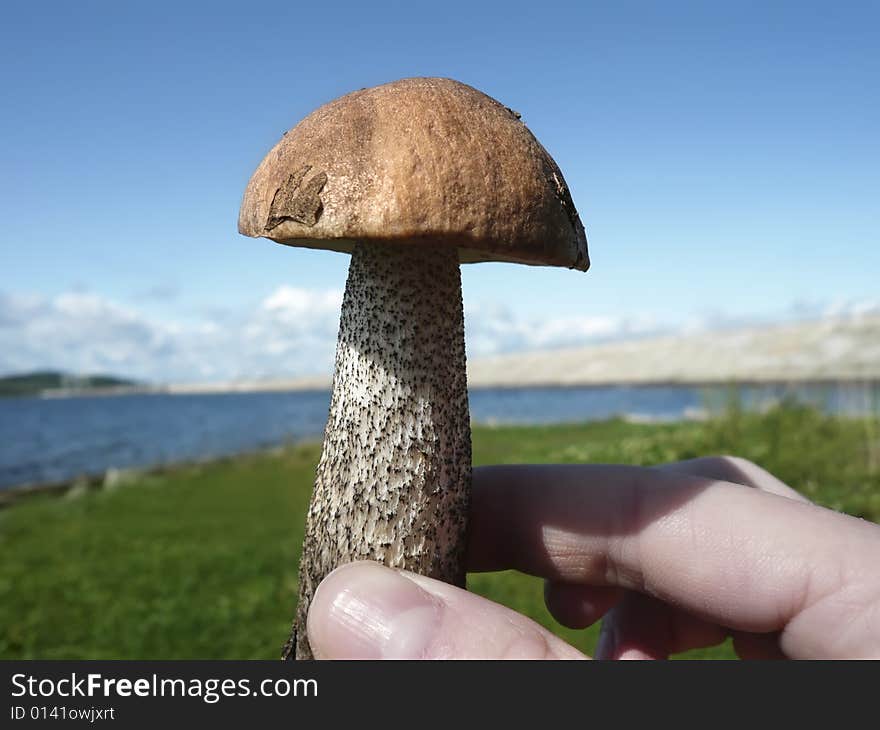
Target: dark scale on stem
[396, 460]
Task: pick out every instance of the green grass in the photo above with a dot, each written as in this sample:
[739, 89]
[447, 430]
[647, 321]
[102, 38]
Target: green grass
[200, 562]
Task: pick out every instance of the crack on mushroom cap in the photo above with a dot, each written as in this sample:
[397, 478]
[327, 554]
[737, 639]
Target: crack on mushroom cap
[299, 204]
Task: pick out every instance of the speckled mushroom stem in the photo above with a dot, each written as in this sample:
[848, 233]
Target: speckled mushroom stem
[393, 482]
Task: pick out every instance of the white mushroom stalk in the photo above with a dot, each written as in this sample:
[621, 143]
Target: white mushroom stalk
[411, 178]
[393, 482]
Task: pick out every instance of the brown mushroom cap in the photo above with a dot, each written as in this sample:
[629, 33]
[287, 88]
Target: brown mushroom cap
[418, 161]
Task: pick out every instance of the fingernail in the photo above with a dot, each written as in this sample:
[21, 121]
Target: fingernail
[368, 611]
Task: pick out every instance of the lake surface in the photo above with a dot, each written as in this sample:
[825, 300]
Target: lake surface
[53, 439]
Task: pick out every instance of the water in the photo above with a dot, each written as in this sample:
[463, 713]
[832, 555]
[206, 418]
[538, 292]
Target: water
[55, 439]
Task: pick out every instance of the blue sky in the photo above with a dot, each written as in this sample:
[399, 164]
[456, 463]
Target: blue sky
[724, 158]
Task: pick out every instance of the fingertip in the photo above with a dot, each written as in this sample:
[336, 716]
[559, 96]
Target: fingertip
[368, 611]
[365, 610]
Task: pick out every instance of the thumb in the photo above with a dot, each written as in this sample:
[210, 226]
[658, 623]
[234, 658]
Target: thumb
[367, 611]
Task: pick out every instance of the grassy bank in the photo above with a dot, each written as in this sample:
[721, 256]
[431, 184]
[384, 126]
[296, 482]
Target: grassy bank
[199, 563]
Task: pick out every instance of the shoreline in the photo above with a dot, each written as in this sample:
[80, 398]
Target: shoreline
[112, 477]
[537, 384]
[116, 476]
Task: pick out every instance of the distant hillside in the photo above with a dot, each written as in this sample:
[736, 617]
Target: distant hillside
[825, 350]
[49, 380]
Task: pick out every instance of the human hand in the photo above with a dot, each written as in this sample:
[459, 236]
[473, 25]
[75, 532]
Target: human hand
[675, 557]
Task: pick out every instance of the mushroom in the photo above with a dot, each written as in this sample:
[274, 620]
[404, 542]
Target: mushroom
[411, 178]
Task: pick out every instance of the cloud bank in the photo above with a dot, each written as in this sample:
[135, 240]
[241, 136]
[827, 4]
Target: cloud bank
[290, 333]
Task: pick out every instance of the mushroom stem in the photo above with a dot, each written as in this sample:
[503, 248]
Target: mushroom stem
[393, 482]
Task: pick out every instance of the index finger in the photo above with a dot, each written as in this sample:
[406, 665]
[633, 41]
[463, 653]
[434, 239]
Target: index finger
[747, 559]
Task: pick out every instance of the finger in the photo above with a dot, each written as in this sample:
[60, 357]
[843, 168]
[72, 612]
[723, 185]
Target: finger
[737, 471]
[367, 611]
[740, 557]
[578, 606]
[641, 627]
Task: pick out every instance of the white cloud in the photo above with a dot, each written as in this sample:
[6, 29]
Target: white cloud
[291, 302]
[852, 309]
[493, 329]
[292, 332]
[799, 311]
